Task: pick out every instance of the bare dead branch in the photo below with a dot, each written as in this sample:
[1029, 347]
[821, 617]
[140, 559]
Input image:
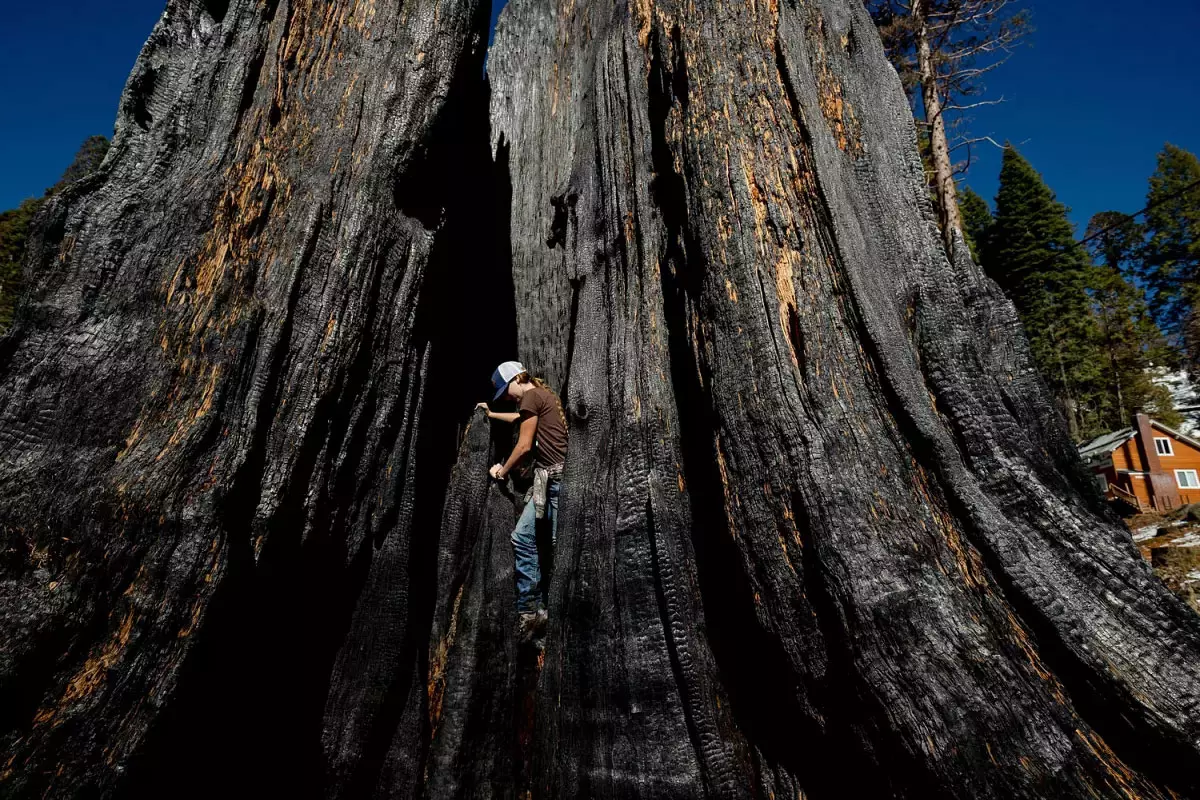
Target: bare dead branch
[969, 106]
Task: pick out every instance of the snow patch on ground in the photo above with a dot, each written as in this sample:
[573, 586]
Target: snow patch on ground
[1148, 532]
[1187, 540]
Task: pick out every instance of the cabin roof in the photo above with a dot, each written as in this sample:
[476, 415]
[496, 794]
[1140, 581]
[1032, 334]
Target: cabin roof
[1103, 445]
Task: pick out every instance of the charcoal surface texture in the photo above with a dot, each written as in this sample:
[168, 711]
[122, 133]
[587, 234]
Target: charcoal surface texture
[818, 510]
[821, 532]
[221, 458]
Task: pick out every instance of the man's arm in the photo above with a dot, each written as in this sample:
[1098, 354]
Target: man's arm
[524, 445]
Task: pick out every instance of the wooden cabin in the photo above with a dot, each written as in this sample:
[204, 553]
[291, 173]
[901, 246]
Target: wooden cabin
[1146, 467]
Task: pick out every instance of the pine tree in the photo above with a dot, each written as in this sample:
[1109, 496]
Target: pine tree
[14, 223]
[1171, 263]
[1032, 253]
[1129, 337]
[976, 219]
[1132, 344]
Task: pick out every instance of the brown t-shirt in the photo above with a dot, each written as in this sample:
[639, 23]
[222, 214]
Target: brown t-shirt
[551, 427]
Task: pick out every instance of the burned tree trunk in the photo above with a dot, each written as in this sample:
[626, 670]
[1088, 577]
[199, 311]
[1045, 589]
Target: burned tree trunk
[818, 508]
[216, 429]
[479, 679]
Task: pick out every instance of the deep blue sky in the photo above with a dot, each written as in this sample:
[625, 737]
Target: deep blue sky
[1093, 97]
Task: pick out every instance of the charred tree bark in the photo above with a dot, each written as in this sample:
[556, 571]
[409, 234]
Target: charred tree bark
[479, 679]
[818, 509]
[217, 436]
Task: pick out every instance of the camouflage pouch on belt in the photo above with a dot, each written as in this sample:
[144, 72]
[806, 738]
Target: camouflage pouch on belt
[541, 485]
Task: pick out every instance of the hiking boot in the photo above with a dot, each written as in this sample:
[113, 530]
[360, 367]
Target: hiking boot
[527, 623]
[531, 625]
[539, 625]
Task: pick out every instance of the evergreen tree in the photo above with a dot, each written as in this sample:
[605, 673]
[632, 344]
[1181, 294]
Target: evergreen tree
[1171, 261]
[977, 219]
[1116, 240]
[1131, 341]
[14, 224]
[1032, 253]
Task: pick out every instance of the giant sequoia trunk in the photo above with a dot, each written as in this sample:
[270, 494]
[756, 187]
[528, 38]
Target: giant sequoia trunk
[221, 465]
[818, 508]
[817, 511]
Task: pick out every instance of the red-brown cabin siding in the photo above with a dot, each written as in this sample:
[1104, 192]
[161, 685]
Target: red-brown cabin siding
[1128, 471]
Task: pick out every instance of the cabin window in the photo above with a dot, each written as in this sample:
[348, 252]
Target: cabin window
[1162, 446]
[1186, 478]
[1102, 482]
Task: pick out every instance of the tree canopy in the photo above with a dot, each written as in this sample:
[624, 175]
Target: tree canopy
[1170, 262]
[1032, 253]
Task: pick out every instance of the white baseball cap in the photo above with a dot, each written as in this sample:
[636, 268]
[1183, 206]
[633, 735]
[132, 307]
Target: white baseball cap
[504, 375]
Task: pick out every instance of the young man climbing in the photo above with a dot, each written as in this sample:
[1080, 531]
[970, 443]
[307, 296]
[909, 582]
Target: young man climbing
[543, 430]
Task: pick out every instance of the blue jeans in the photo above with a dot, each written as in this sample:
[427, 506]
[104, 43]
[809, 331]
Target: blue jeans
[525, 551]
